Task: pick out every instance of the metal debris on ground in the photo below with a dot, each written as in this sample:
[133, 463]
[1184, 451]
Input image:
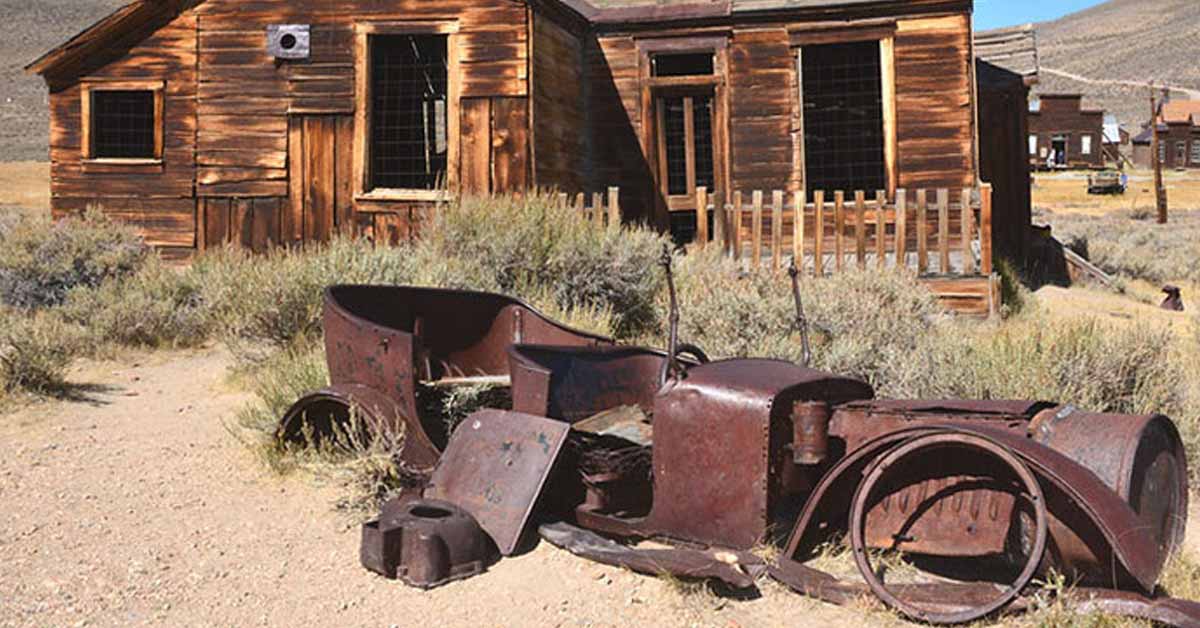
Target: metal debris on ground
[952, 508]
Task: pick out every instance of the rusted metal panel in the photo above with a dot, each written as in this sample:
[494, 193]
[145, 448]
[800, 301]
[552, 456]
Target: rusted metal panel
[721, 434]
[571, 384]
[495, 467]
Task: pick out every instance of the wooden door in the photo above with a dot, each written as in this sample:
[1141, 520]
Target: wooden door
[320, 177]
[685, 134]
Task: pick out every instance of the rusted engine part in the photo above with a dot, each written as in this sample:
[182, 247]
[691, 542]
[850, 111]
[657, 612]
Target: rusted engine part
[495, 468]
[733, 419]
[389, 338]
[1095, 537]
[333, 412]
[976, 463]
[425, 543]
[739, 570]
[1141, 458]
[961, 597]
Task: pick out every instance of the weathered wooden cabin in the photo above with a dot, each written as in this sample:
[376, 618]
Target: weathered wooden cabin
[1007, 67]
[1178, 131]
[271, 121]
[1062, 134]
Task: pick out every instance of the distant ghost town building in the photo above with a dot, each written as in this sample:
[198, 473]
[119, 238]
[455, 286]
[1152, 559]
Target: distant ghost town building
[1178, 131]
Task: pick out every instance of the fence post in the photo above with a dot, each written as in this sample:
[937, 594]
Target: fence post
[922, 231]
[718, 220]
[860, 228]
[968, 232]
[985, 228]
[756, 221]
[819, 233]
[881, 229]
[702, 216]
[798, 201]
[737, 225]
[614, 208]
[839, 227]
[901, 228]
[598, 209]
[943, 201]
[776, 229]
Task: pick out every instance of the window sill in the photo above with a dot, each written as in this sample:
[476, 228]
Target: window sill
[120, 166]
[428, 196]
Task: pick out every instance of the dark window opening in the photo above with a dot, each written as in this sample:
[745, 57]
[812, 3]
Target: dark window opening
[123, 124]
[683, 227]
[691, 64]
[843, 117]
[409, 144]
[677, 129]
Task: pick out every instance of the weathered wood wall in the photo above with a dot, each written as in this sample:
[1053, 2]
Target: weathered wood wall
[559, 107]
[1003, 159]
[934, 92]
[157, 199]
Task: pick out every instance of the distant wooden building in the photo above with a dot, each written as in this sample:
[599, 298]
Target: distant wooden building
[1062, 134]
[1007, 67]
[1178, 137]
[265, 121]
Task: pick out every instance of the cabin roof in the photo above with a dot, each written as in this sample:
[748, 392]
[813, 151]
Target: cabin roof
[1014, 49]
[1181, 112]
[128, 22]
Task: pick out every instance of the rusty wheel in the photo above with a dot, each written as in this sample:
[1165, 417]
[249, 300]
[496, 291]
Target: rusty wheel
[925, 602]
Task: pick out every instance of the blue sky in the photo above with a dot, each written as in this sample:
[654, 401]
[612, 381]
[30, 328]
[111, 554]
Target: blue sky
[997, 13]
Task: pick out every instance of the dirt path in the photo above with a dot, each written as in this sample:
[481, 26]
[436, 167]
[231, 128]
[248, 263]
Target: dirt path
[136, 507]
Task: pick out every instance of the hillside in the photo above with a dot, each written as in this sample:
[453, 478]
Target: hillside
[27, 29]
[1121, 42]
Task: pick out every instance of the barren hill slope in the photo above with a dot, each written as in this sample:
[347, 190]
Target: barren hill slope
[1122, 41]
[27, 29]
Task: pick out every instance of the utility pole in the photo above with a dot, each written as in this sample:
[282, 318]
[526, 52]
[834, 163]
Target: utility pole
[1160, 192]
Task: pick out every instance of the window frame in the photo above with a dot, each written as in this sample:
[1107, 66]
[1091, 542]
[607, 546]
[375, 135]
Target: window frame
[883, 32]
[1085, 145]
[87, 142]
[1195, 153]
[1034, 143]
[363, 31]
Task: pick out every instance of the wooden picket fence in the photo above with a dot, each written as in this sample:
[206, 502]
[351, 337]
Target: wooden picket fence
[935, 232]
[604, 209]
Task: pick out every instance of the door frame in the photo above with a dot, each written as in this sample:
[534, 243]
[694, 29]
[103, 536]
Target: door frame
[651, 86]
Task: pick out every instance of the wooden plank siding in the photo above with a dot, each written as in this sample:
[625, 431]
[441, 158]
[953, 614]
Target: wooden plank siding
[156, 199]
[559, 107]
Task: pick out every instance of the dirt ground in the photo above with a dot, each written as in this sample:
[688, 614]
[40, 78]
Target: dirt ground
[1067, 191]
[133, 505]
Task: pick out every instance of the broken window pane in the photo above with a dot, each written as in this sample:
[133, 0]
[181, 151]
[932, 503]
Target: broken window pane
[843, 117]
[408, 111]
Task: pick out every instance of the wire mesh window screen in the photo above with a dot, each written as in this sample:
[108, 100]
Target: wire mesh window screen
[123, 124]
[843, 117]
[675, 137]
[409, 110]
[703, 107]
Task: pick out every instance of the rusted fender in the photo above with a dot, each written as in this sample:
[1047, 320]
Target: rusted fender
[737, 569]
[392, 337]
[1075, 497]
[323, 410]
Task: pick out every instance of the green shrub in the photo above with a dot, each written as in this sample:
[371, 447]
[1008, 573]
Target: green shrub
[1099, 367]
[859, 321]
[158, 306]
[533, 241]
[35, 350]
[41, 263]
[267, 302]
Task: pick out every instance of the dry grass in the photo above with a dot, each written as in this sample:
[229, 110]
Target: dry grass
[1067, 193]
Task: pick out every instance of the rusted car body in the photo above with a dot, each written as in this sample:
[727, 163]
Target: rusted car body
[737, 453]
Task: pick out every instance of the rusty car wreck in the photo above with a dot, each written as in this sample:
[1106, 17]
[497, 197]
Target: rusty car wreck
[607, 445]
